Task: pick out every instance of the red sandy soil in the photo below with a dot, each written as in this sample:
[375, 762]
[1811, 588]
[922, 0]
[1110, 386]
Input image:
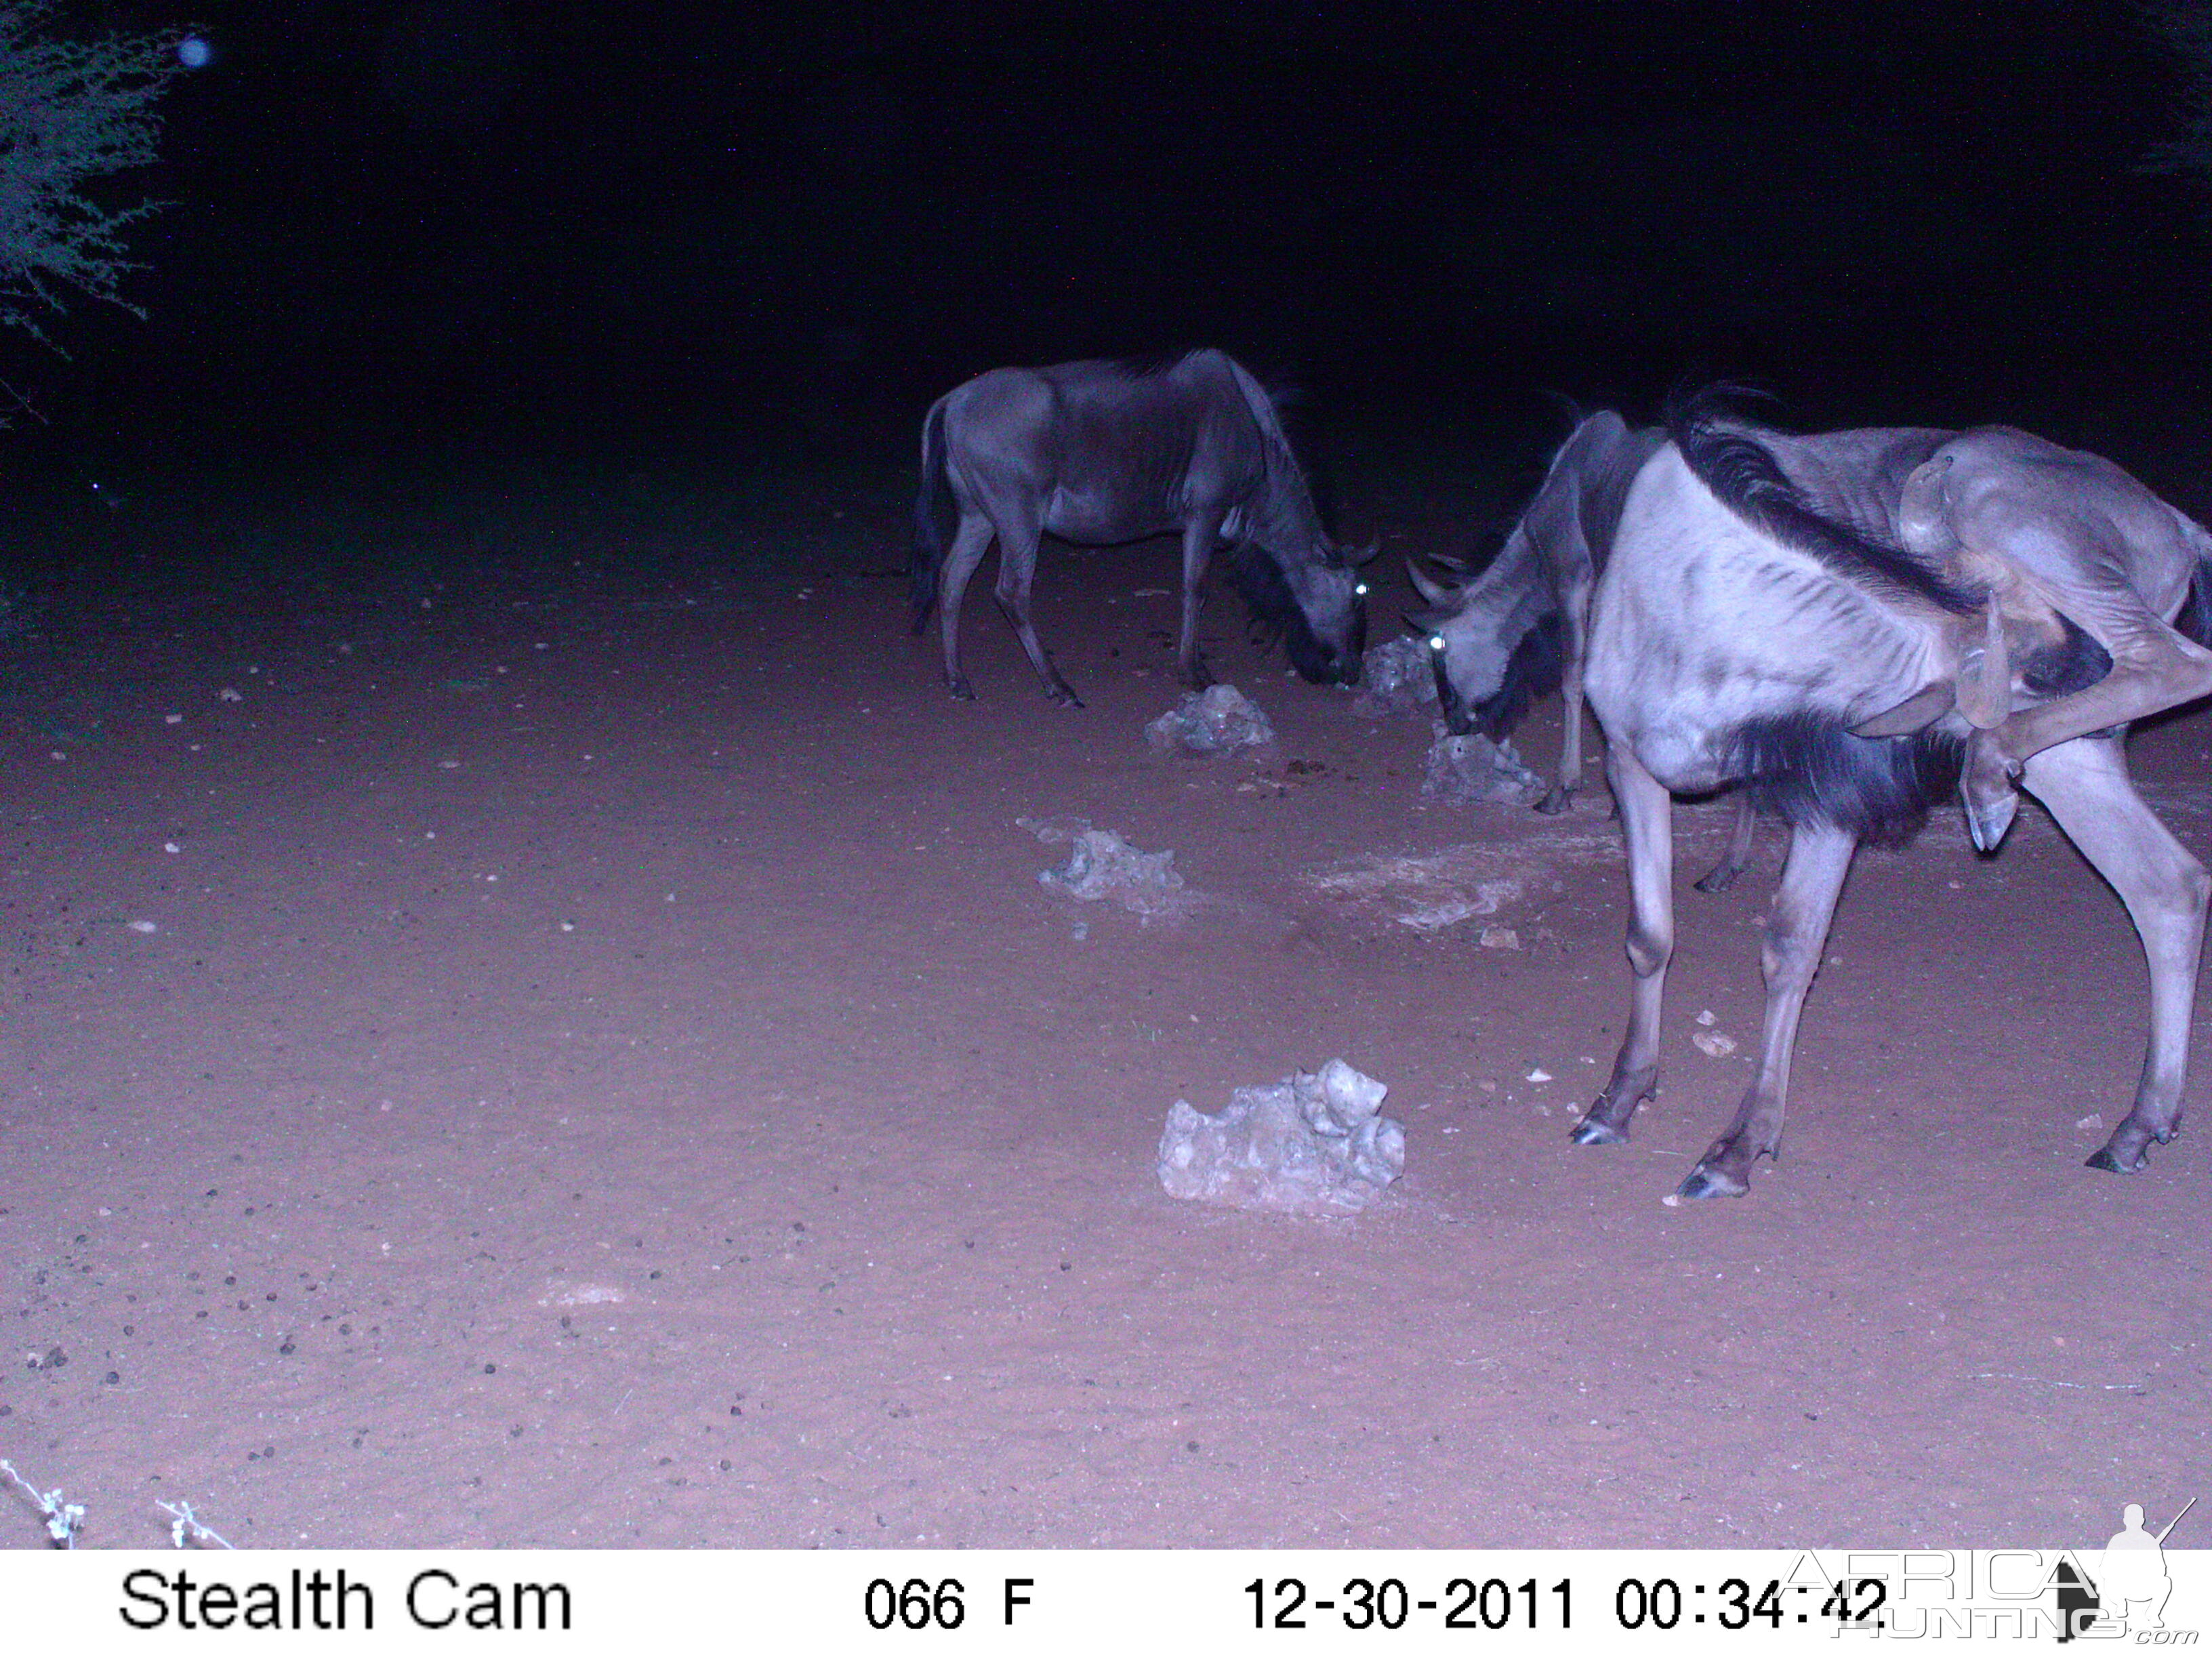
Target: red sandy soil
[605, 1073]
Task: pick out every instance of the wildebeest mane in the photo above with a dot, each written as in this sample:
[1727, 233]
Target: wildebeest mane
[1274, 609]
[1808, 768]
[1284, 510]
[1730, 461]
[1150, 365]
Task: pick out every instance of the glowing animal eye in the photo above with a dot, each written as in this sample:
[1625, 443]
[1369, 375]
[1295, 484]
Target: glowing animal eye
[1360, 589]
[1435, 642]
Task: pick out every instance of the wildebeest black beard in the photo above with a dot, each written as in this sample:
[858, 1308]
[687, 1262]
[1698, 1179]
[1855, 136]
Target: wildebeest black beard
[1275, 614]
[1809, 769]
[1534, 670]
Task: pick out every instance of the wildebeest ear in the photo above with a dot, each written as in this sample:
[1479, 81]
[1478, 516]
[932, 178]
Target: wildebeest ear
[1922, 709]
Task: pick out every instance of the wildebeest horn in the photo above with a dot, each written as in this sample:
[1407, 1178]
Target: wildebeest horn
[1361, 556]
[1424, 622]
[1432, 592]
[1985, 676]
[1457, 567]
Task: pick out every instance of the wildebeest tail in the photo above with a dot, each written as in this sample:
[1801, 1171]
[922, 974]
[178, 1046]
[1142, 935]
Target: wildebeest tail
[936, 516]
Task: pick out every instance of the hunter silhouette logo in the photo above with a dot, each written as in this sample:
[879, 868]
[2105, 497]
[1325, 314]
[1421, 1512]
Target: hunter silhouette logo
[2130, 1591]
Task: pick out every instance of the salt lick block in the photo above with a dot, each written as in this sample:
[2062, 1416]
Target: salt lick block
[1315, 1144]
[1218, 720]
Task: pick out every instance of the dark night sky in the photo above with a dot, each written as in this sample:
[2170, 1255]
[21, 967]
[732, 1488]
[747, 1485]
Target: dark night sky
[560, 223]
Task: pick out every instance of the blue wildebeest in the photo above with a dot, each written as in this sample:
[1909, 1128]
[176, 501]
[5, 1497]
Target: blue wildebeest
[1103, 453]
[1849, 626]
[1521, 629]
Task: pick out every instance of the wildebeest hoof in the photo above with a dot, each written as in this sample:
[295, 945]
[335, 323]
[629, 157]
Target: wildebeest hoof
[1988, 820]
[1719, 879]
[961, 690]
[1591, 1133]
[1557, 801]
[1065, 696]
[2102, 1159]
[1986, 788]
[1706, 1182]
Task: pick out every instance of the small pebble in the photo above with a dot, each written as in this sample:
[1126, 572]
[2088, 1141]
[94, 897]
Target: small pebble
[1540, 1075]
[144, 927]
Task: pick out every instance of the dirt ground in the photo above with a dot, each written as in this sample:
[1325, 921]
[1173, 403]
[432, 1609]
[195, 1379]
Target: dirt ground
[521, 1036]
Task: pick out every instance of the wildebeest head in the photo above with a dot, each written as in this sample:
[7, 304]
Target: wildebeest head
[1317, 608]
[1493, 646]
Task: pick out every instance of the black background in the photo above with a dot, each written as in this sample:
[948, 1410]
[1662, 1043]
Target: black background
[576, 228]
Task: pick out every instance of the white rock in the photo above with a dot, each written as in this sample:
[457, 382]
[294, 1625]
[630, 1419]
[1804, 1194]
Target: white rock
[1472, 769]
[1315, 1144]
[1102, 865]
[1218, 720]
[1395, 676]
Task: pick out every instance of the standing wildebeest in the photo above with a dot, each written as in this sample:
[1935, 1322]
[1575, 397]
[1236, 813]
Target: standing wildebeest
[1522, 628]
[1851, 625]
[1103, 452]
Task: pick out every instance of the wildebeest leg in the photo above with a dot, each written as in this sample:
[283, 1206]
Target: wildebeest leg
[1573, 631]
[1647, 815]
[1199, 532]
[1017, 551]
[1797, 927]
[2087, 787]
[2153, 669]
[969, 543]
[1737, 858]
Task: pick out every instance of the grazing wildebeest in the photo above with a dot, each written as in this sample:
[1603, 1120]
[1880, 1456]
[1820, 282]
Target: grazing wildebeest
[1103, 453]
[1851, 625]
[1521, 629]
